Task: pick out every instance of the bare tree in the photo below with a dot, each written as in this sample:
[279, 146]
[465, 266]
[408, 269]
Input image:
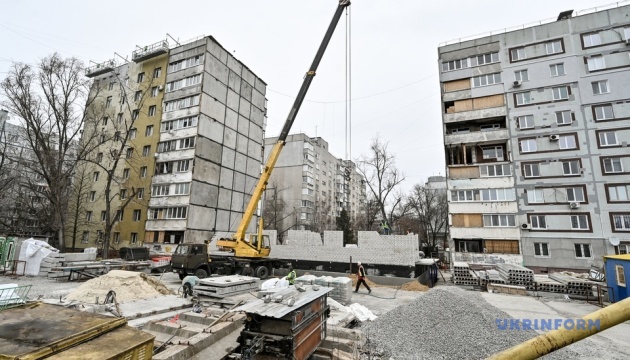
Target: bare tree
[382, 177]
[49, 99]
[77, 209]
[275, 211]
[366, 220]
[430, 206]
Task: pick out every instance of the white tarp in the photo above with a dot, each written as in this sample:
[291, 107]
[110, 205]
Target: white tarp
[274, 284]
[361, 312]
[33, 251]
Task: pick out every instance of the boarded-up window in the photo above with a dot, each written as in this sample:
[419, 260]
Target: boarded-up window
[466, 172]
[501, 246]
[467, 220]
[463, 105]
[477, 103]
[457, 85]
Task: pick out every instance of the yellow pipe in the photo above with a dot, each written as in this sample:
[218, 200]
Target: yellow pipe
[556, 339]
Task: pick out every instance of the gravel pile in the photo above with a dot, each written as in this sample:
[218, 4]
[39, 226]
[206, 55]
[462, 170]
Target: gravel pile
[450, 323]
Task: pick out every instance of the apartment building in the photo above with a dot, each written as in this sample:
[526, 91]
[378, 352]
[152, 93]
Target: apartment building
[536, 130]
[313, 185]
[191, 118]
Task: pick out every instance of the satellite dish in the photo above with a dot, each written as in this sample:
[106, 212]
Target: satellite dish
[614, 240]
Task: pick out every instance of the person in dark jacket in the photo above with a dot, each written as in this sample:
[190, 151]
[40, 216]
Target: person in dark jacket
[361, 279]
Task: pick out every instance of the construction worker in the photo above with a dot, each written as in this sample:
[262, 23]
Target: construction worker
[361, 278]
[291, 276]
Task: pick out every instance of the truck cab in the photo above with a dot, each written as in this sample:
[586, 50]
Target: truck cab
[191, 259]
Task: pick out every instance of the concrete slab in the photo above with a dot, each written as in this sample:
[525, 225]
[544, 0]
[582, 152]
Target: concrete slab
[146, 307]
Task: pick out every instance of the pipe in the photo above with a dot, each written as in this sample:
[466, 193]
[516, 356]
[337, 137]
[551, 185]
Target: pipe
[551, 341]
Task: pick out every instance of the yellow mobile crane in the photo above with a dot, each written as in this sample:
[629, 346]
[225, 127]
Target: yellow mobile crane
[242, 248]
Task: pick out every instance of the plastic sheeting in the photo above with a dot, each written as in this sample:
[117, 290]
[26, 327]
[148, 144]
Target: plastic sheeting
[361, 312]
[33, 252]
[274, 284]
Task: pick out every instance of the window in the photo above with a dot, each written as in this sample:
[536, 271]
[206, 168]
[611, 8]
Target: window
[134, 114]
[85, 238]
[489, 127]
[557, 69]
[538, 221]
[554, 47]
[182, 189]
[613, 165]
[88, 216]
[181, 103]
[152, 110]
[564, 117]
[455, 65]
[571, 167]
[579, 222]
[137, 96]
[623, 249]
[99, 157]
[117, 136]
[133, 133]
[495, 170]
[146, 150]
[126, 173]
[518, 54]
[157, 72]
[154, 91]
[183, 165]
[600, 87]
[123, 194]
[148, 131]
[620, 276]
[525, 122]
[582, 250]
[596, 63]
[535, 196]
[499, 220]
[187, 143]
[160, 190]
[105, 120]
[497, 195]
[487, 58]
[603, 112]
[182, 83]
[116, 237]
[119, 117]
[541, 249]
[143, 172]
[96, 174]
[140, 77]
[134, 238]
[110, 86]
[560, 93]
[460, 131]
[489, 79]
[464, 195]
[608, 138]
[129, 153]
[108, 102]
[528, 145]
[591, 40]
[179, 124]
[567, 142]
[621, 222]
[619, 192]
[493, 152]
[521, 75]
[575, 194]
[186, 63]
[166, 146]
[522, 98]
[120, 214]
[140, 193]
[163, 168]
[531, 170]
[136, 215]
[92, 196]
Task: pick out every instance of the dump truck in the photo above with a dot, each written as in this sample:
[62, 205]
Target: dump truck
[253, 249]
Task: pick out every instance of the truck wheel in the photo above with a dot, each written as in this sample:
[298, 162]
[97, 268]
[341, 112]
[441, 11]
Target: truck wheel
[181, 276]
[201, 273]
[262, 272]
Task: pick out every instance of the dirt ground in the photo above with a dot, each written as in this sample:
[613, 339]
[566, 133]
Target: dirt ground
[412, 285]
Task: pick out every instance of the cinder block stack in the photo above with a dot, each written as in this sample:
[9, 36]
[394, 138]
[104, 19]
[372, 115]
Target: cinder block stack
[341, 289]
[305, 279]
[462, 275]
[549, 285]
[574, 286]
[517, 275]
[54, 259]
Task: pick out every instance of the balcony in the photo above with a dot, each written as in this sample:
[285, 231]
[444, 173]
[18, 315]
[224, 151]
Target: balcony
[475, 114]
[150, 51]
[476, 137]
[100, 69]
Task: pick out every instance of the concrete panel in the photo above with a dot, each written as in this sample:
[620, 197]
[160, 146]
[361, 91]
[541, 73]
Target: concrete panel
[237, 201]
[166, 225]
[253, 167]
[216, 64]
[246, 91]
[482, 183]
[512, 233]
[261, 86]
[212, 108]
[244, 108]
[206, 171]
[228, 158]
[176, 155]
[258, 99]
[188, 50]
[163, 201]
[234, 64]
[201, 217]
[476, 258]
[257, 116]
[519, 37]
[203, 194]
[184, 92]
[227, 178]
[214, 88]
[198, 236]
[476, 137]
[229, 138]
[255, 133]
[210, 128]
[234, 82]
[225, 199]
[250, 184]
[176, 114]
[463, 51]
[240, 163]
[239, 182]
[241, 143]
[475, 114]
[243, 126]
[254, 150]
[248, 76]
[231, 119]
[562, 252]
[233, 100]
[208, 150]
[223, 221]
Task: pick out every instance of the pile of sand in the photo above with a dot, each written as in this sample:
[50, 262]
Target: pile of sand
[128, 285]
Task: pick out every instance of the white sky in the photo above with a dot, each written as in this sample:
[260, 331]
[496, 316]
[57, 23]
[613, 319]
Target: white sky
[394, 55]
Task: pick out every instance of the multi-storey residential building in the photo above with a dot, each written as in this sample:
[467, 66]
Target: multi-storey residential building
[536, 127]
[192, 121]
[313, 184]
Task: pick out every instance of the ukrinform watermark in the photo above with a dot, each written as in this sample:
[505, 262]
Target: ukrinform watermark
[547, 324]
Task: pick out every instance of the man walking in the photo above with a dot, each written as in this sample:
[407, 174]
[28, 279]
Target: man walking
[361, 279]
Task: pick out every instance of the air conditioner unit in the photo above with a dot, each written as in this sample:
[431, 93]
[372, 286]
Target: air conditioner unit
[526, 226]
[574, 205]
[517, 83]
[554, 137]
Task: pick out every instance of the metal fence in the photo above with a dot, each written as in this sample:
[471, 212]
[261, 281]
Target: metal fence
[13, 296]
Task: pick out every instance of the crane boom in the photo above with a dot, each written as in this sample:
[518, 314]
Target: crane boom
[237, 243]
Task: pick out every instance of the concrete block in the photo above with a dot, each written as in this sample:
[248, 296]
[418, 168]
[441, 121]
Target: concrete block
[215, 88]
[210, 129]
[244, 108]
[255, 152]
[246, 91]
[256, 134]
[240, 163]
[225, 199]
[223, 220]
[233, 100]
[227, 178]
[216, 65]
[177, 352]
[203, 194]
[260, 86]
[241, 143]
[229, 138]
[229, 155]
[213, 108]
[239, 182]
[248, 76]
[237, 201]
[258, 99]
[205, 170]
[231, 118]
[253, 166]
[199, 217]
[257, 116]
[234, 65]
[243, 126]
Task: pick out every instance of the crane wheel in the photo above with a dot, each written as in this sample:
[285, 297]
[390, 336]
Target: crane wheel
[262, 272]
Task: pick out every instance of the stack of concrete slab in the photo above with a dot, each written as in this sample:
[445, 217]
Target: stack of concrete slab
[462, 275]
[222, 286]
[57, 260]
[574, 286]
[517, 275]
[54, 259]
[490, 277]
[544, 283]
[305, 279]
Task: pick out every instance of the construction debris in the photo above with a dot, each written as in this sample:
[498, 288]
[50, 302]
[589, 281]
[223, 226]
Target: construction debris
[127, 285]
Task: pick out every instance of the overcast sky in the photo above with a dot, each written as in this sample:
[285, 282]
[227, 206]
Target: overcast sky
[395, 86]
